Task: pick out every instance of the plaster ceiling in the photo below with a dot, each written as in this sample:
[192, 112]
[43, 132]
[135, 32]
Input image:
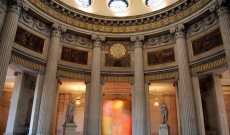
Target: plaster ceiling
[136, 7]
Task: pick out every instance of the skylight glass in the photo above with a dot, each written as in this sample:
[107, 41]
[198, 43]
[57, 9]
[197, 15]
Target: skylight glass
[83, 3]
[152, 3]
[118, 5]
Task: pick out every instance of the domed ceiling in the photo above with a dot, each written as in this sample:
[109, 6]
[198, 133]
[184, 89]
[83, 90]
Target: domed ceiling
[118, 8]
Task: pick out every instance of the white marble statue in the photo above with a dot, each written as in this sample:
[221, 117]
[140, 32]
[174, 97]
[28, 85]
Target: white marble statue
[164, 113]
[70, 112]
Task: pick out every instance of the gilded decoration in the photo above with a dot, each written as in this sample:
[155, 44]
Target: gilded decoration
[161, 56]
[207, 42]
[27, 63]
[69, 74]
[119, 29]
[117, 51]
[74, 55]
[209, 65]
[168, 75]
[110, 62]
[28, 40]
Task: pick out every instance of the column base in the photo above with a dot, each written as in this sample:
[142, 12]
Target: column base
[164, 129]
[69, 129]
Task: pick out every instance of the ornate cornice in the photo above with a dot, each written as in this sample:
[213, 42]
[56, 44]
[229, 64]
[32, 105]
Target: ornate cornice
[121, 26]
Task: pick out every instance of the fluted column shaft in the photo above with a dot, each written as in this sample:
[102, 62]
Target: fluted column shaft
[49, 86]
[138, 95]
[95, 88]
[36, 104]
[7, 39]
[86, 112]
[186, 99]
[198, 104]
[221, 110]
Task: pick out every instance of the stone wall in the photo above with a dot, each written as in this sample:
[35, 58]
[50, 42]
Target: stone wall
[227, 105]
[4, 110]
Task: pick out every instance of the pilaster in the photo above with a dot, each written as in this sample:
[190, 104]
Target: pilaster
[36, 104]
[221, 110]
[198, 103]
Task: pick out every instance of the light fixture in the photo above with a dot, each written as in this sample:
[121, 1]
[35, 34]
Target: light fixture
[84, 3]
[156, 102]
[118, 5]
[78, 101]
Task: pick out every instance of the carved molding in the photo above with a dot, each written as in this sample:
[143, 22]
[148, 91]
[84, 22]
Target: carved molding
[93, 24]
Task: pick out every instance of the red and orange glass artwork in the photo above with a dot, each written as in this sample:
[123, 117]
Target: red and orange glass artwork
[116, 117]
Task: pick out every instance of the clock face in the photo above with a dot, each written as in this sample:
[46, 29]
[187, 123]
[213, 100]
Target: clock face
[117, 51]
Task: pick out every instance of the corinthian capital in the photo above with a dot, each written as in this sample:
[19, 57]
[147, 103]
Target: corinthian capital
[137, 40]
[178, 30]
[97, 40]
[220, 7]
[57, 29]
[17, 5]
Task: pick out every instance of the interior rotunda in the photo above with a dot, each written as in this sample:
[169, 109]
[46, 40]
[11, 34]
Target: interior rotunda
[129, 67]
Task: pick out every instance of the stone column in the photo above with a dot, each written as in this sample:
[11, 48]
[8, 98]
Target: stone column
[138, 95]
[49, 89]
[95, 88]
[36, 104]
[187, 106]
[198, 104]
[147, 102]
[86, 111]
[220, 6]
[221, 110]
[7, 37]
[175, 84]
[12, 117]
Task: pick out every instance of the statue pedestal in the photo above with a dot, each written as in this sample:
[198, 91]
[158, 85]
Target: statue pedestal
[163, 129]
[69, 128]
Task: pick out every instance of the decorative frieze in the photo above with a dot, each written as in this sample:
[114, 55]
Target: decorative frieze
[90, 24]
[30, 64]
[160, 76]
[201, 25]
[159, 41]
[209, 66]
[34, 24]
[77, 40]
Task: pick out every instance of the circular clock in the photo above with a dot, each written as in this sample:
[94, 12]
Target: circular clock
[117, 51]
